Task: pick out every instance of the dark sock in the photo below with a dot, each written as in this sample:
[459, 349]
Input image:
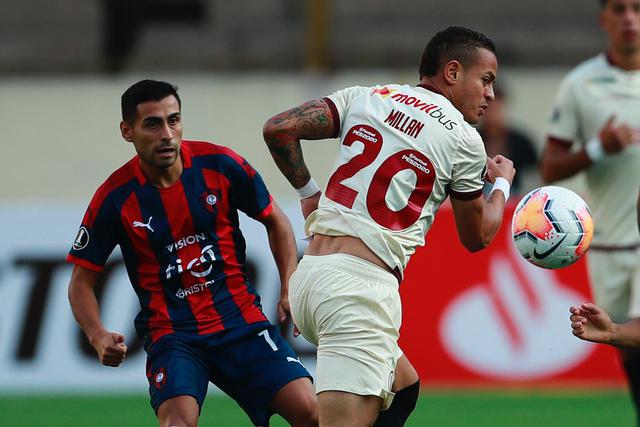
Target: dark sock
[402, 406]
[631, 364]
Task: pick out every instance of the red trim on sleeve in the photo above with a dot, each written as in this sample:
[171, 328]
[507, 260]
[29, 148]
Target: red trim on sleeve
[84, 263]
[558, 142]
[266, 211]
[335, 116]
[465, 196]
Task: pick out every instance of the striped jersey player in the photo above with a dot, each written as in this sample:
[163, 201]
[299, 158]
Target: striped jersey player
[173, 210]
[182, 246]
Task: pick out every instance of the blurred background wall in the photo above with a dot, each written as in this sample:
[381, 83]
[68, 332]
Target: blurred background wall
[64, 64]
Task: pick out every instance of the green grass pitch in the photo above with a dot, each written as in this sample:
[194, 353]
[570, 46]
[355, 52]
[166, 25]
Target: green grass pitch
[437, 408]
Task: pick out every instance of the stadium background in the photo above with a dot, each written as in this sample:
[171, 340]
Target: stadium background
[488, 334]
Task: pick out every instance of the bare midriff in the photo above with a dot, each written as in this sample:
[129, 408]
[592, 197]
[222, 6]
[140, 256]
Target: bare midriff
[322, 244]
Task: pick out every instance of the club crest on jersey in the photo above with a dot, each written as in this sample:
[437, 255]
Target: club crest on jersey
[209, 201]
[383, 92]
[82, 239]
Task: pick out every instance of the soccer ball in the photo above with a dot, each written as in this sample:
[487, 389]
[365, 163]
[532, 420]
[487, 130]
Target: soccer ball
[552, 227]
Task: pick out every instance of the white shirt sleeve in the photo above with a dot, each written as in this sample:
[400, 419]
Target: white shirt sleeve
[469, 166]
[564, 120]
[341, 99]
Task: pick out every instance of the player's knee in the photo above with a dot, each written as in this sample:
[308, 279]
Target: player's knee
[179, 411]
[178, 421]
[402, 406]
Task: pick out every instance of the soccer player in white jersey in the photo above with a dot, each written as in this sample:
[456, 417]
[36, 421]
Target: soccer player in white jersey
[404, 149]
[594, 129]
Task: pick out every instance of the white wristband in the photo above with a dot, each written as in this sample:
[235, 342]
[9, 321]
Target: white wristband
[501, 184]
[594, 150]
[308, 190]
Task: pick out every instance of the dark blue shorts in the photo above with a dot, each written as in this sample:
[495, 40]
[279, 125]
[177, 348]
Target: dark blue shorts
[249, 365]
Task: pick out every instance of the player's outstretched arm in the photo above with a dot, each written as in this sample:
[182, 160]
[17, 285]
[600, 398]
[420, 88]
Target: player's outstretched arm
[558, 161]
[479, 220]
[283, 132]
[110, 346]
[285, 254]
[591, 323]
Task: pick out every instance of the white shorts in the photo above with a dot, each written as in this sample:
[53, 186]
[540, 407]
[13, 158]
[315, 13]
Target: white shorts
[615, 282]
[350, 308]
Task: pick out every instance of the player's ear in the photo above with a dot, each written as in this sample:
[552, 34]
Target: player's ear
[126, 131]
[452, 71]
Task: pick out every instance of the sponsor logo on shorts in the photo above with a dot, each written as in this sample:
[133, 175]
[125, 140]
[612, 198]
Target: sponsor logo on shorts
[294, 360]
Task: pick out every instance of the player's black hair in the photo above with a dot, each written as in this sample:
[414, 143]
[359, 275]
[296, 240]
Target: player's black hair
[144, 91]
[457, 43]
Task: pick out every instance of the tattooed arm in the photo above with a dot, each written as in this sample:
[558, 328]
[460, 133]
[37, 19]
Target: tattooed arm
[283, 132]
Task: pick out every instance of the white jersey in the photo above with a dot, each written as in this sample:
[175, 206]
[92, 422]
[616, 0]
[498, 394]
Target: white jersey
[588, 96]
[403, 150]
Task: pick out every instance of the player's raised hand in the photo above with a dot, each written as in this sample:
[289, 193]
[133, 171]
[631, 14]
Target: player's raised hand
[589, 322]
[110, 347]
[500, 166]
[310, 204]
[615, 138]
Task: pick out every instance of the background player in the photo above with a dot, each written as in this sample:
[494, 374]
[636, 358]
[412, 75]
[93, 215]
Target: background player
[500, 137]
[598, 104]
[173, 211]
[403, 150]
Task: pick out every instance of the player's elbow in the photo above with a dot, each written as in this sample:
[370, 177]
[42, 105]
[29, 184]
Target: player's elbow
[271, 130]
[268, 130]
[475, 245]
[547, 173]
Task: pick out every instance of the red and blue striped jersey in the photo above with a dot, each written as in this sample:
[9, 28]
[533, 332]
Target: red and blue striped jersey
[182, 245]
